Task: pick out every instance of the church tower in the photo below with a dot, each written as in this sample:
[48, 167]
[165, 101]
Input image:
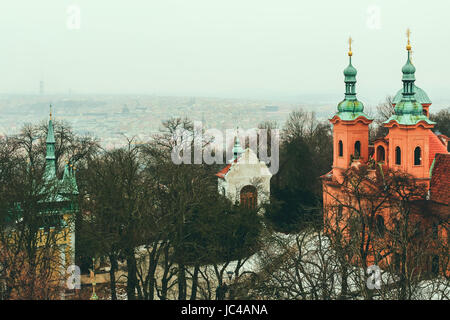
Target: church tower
[409, 128]
[61, 195]
[350, 124]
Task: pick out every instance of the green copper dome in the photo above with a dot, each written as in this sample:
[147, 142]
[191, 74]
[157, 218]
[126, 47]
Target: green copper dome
[419, 94]
[350, 71]
[409, 70]
[350, 108]
[408, 111]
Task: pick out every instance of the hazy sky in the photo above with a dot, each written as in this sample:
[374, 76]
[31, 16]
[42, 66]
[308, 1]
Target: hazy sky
[228, 48]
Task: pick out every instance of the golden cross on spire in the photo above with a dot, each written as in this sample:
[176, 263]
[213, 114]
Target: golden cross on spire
[350, 41]
[50, 112]
[408, 34]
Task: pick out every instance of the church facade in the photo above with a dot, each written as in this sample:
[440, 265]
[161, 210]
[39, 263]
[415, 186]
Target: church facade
[246, 179]
[410, 147]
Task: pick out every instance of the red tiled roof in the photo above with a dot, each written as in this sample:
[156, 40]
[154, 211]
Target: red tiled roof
[223, 172]
[436, 146]
[440, 179]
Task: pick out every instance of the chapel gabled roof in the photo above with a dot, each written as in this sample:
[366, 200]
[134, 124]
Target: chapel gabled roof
[222, 173]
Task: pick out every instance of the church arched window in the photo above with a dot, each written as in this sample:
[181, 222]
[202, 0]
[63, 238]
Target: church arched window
[249, 197]
[417, 156]
[341, 148]
[381, 156]
[357, 149]
[398, 156]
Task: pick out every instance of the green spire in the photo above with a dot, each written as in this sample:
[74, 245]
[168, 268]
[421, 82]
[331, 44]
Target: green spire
[237, 149]
[50, 132]
[408, 111]
[50, 159]
[69, 183]
[350, 81]
[350, 108]
[409, 70]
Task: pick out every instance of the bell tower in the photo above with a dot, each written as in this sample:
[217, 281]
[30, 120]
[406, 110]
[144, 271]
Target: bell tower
[409, 128]
[350, 124]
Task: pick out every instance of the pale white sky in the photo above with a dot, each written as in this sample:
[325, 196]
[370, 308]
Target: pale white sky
[229, 48]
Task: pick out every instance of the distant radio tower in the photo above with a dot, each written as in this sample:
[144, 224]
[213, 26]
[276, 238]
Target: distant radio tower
[41, 87]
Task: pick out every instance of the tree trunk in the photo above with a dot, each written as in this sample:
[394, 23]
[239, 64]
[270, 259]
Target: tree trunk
[131, 279]
[181, 282]
[195, 282]
[165, 280]
[112, 275]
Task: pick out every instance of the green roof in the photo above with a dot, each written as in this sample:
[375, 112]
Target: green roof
[409, 70]
[60, 188]
[350, 108]
[419, 94]
[350, 116]
[409, 111]
[50, 159]
[50, 133]
[409, 119]
[350, 72]
[69, 183]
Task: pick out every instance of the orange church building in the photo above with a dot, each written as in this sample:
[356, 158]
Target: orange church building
[410, 147]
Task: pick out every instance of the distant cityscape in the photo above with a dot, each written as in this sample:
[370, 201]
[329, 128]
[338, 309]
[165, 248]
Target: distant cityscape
[111, 117]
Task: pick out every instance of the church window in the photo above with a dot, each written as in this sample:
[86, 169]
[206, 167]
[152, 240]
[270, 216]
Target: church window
[381, 156]
[417, 156]
[398, 156]
[357, 149]
[341, 148]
